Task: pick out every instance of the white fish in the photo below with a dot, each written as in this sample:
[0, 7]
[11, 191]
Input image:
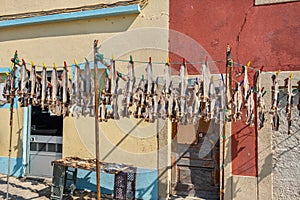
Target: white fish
[44, 87]
[289, 102]
[76, 96]
[196, 101]
[183, 86]
[64, 83]
[246, 85]
[55, 88]
[32, 81]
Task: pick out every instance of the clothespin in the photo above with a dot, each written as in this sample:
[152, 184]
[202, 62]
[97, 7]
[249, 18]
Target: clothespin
[261, 69]
[65, 64]
[183, 61]
[76, 63]
[150, 60]
[263, 94]
[112, 57]
[242, 82]
[168, 61]
[99, 56]
[7, 74]
[222, 78]
[291, 76]
[23, 62]
[44, 66]
[130, 59]
[212, 78]
[277, 73]
[70, 77]
[248, 64]
[32, 63]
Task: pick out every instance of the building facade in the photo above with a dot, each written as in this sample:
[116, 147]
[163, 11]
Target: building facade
[244, 162]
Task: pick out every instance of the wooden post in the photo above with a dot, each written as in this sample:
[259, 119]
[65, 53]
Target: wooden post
[96, 85]
[12, 101]
[227, 76]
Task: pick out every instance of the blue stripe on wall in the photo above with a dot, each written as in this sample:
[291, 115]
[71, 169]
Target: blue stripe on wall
[16, 167]
[146, 183]
[103, 12]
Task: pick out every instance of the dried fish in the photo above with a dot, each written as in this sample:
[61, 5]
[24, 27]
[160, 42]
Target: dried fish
[32, 81]
[44, 86]
[288, 85]
[64, 83]
[55, 89]
[183, 88]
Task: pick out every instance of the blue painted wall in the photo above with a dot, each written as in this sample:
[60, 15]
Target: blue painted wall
[16, 167]
[146, 183]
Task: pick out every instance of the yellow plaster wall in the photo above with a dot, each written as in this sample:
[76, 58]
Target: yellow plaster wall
[16, 132]
[64, 41]
[20, 6]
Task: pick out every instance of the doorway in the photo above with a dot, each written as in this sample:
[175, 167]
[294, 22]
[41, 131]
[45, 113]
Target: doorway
[45, 141]
[191, 175]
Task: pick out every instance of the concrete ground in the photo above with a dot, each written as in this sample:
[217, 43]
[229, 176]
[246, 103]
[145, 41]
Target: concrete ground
[36, 188]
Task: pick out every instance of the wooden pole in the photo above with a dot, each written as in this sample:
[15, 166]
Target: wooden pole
[96, 85]
[12, 101]
[228, 64]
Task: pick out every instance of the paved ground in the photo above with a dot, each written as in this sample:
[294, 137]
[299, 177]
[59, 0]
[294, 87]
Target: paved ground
[25, 188]
[34, 188]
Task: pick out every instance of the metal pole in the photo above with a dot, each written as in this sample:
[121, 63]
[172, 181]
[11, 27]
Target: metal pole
[96, 85]
[12, 98]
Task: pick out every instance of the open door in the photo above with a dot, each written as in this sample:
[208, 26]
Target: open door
[45, 141]
[191, 175]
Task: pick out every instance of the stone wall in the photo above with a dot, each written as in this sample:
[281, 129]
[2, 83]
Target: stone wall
[286, 171]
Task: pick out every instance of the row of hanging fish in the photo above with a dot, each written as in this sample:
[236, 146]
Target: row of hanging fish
[146, 99]
[244, 98]
[143, 99]
[34, 89]
[290, 100]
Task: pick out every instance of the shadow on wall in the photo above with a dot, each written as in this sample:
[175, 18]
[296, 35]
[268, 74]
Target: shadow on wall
[146, 183]
[87, 26]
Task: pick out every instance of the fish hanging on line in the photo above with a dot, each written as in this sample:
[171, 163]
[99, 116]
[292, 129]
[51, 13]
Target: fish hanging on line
[87, 89]
[196, 101]
[65, 90]
[23, 85]
[149, 96]
[7, 90]
[260, 101]
[140, 98]
[289, 106]
[155, 96]
[250, 107]
[275, 102]
[55, 104]
[128, 94]
[246, 85]
[166, 109]
[183, 90]
[114, 91]
[211, 99]
[32, 81]
[44, 87]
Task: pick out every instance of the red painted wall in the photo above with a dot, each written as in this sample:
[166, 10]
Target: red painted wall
[265, 35]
